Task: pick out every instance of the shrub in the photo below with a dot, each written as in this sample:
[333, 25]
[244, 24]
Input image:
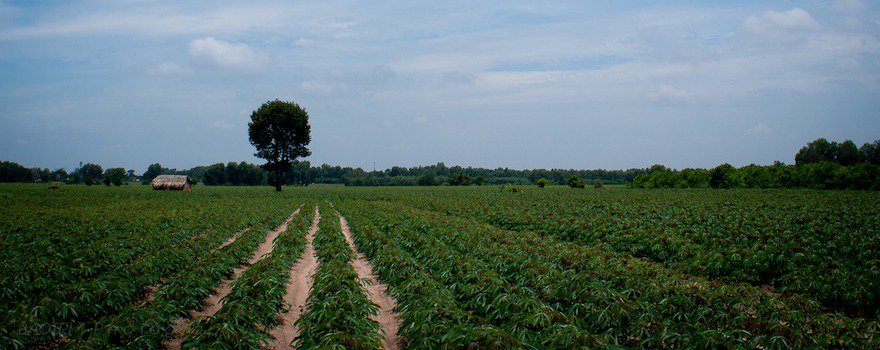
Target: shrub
[542, 182]
[576, 182]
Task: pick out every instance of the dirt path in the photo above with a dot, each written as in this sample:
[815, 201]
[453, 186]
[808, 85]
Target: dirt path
[388, 318]
[298, 286]
[214, 303]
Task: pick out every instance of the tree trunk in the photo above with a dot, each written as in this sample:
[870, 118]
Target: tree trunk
[278, 180]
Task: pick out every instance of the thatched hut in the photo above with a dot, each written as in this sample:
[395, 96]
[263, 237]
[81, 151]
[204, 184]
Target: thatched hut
[171, 182]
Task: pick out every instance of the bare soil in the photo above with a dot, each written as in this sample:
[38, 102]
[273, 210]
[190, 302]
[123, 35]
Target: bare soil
[388, 318]
[298, 286]
[214, 302]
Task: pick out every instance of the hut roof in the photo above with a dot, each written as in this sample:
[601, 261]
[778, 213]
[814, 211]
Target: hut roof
[171, 182]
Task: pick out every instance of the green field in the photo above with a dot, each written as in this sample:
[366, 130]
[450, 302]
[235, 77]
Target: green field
[484, 267]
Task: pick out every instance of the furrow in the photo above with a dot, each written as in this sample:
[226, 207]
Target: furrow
[215, 302]
[388, 317]
[297, 292]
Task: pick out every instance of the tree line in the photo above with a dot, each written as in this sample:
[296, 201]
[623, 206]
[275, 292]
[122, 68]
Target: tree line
[88, 174]
[301, 173]
[441, 174]
[819, 165]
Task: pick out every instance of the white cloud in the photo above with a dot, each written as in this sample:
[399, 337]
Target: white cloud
[302, 42]
[773, 21]
[222, 125]
[666, 93]
[168, 69]
[157, 20]
[227, 55]
[22, 142]
[760, 129]
[421, 120]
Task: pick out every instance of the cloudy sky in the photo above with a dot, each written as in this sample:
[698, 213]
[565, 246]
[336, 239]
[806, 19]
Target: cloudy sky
[505, 84]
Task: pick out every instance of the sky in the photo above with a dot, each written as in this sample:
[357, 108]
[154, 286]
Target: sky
[557, 84]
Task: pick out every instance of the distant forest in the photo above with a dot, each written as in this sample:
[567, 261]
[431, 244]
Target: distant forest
[302, 173]
[820, 164]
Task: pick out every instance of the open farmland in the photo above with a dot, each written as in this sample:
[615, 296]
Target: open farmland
[447, 267]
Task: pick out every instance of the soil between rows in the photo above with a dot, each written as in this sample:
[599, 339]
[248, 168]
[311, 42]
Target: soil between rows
[297, 291]
[388, 318]
[214, 303]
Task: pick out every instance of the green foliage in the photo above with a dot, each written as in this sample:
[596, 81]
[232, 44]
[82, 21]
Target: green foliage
[280, 132]
[114, 176]
[816, 152]
[824, 175]
[789, 239]
[542, 182]
[597, 183]
[59, 175]
[576, 182]
[469, 267]
[845, 153]
[77, 266]
[401, 176]
[459, 179]
[300, 174]
[339, 310]
[233, 174]
[427, 180]
[535, 291]
[871, 152]
[722, 176]
[253, 306]
[848, 154]
[479, 181]
[153, 170]
[14, 172]
[89, 174]
[511, 188]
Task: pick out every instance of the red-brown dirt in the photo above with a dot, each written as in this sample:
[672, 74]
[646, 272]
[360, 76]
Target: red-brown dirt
[298, 287]
[214, 302]
[388, 318]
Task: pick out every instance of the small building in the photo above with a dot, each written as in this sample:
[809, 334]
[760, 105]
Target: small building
[171, 182]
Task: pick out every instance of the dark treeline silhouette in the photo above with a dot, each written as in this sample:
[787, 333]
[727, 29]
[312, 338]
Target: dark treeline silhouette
[88, 174]
[820, 165]
[440, 174]
[301, 173]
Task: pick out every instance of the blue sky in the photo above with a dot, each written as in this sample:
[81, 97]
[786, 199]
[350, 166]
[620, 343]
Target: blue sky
[496, 84]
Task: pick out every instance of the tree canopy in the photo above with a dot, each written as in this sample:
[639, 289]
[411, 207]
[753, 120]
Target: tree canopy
[280, 132]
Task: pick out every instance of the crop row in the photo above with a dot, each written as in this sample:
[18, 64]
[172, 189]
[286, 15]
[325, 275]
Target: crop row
[49, 244]
[502, 315]
[621, 300]
[431, 316]
[255, 302]
[147, 323]
[338, 314]
[821, 244]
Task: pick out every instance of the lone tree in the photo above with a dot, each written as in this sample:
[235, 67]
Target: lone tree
[280, 131]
